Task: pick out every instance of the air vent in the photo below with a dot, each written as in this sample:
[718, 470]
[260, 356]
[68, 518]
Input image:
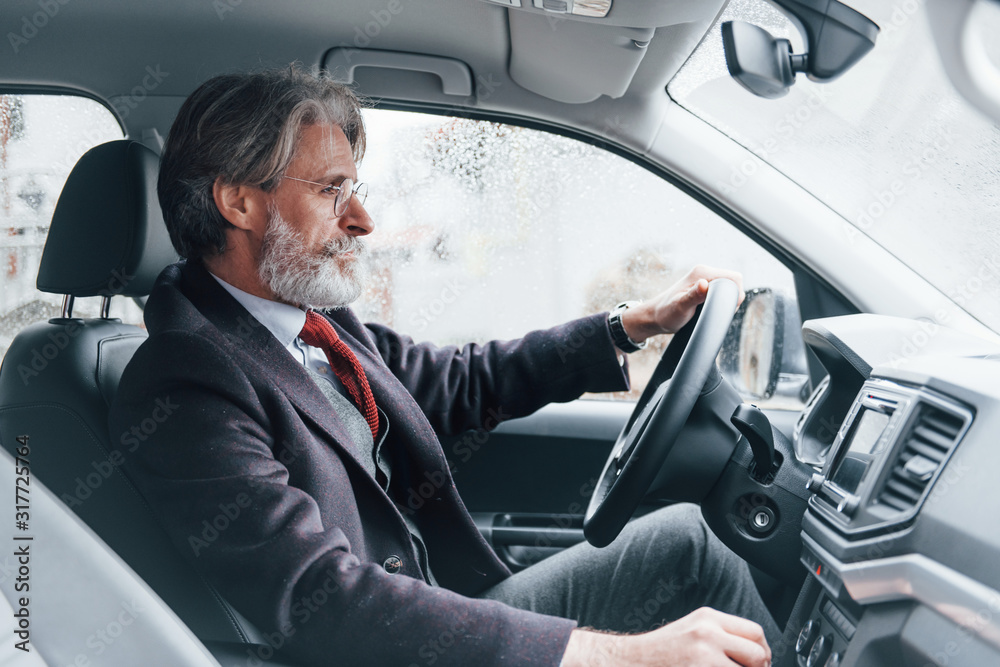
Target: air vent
[927, 444]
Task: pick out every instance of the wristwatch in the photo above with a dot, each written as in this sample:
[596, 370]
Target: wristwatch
[618, 333]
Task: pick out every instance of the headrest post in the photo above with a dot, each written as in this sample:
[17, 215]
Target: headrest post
[67, 306]
[105, 307]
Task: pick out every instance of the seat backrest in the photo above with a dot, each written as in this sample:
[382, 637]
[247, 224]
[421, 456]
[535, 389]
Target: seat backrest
[70, 598]
[59, 377]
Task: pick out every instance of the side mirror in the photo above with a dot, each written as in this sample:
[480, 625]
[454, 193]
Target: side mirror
[763, 355]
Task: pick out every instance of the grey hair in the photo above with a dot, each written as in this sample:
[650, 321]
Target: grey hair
[244, 129]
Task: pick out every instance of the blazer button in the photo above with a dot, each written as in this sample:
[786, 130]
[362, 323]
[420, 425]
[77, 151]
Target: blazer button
[393, 564]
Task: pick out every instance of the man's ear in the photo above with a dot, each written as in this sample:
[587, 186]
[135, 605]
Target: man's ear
[242, 205]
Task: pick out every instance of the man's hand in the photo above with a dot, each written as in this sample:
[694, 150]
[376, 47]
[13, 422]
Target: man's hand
[674, 308]
[703, 638]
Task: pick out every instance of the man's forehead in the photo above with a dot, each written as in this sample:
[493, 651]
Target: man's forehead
[324, 147]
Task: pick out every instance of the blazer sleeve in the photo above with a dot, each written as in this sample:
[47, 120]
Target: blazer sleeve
[478, 386]
[209, 471]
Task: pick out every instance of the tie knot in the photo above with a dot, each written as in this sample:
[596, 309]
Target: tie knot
[318, 332]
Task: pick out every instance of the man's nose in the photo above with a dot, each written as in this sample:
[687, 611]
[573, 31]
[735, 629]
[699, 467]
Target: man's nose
[356, 220]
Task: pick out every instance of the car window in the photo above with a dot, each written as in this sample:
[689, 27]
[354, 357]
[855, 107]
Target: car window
[487, 231]
[41, 138]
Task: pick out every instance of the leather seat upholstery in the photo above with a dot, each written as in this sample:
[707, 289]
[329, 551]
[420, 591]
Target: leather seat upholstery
[59, 377]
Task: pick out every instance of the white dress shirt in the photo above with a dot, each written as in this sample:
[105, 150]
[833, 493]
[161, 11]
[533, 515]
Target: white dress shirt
[285, 323]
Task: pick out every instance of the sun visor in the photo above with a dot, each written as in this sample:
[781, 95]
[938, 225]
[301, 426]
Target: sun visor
[574, 61]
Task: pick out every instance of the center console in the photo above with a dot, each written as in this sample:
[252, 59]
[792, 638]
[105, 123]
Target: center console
[883, 463]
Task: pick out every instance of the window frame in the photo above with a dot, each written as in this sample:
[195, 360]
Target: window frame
[66, 91]
[25, 89]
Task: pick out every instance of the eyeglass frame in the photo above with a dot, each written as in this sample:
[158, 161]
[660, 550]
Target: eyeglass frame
[362, 196]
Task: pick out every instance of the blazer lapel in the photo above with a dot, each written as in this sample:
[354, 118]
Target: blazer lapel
[390, 394]
[264, 350]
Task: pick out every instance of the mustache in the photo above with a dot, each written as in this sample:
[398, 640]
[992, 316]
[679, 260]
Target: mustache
[345, 244]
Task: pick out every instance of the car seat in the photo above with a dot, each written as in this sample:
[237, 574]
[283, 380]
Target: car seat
[58, 378]
[85, 606]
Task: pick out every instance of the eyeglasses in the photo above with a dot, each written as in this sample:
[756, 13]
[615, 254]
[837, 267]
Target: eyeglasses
[341, 193]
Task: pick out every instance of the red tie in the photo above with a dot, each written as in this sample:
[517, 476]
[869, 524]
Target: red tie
[318, 332]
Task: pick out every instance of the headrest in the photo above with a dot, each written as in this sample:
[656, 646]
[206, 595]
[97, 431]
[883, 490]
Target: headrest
[107, 235]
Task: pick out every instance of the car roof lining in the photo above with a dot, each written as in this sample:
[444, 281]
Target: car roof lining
[187, 41]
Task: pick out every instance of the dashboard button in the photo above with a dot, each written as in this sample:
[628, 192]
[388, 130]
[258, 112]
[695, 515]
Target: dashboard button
[838, 619]
[807, 635]
[820, 652]
[833, 660]
[815, 483]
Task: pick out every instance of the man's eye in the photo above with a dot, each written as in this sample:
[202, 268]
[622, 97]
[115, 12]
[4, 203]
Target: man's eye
[330, 190]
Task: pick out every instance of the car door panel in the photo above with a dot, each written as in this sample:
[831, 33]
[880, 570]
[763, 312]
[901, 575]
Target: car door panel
[527, 483]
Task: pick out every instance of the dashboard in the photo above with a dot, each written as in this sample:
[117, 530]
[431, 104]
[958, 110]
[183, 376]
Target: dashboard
[901, 536]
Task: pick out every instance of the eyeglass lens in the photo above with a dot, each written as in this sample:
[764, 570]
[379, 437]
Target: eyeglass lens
[345, 193]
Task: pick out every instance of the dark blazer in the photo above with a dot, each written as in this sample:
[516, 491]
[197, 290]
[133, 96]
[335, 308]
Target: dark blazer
[253, 475]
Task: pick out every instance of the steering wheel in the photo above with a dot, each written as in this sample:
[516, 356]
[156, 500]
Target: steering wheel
[664, 407]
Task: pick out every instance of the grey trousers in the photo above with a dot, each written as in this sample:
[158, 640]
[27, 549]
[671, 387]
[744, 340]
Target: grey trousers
[662, 566]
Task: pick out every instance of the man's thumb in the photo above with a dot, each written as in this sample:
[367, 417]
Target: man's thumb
[697, 292]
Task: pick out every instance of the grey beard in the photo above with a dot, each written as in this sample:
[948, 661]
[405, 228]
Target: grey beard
[312, 279]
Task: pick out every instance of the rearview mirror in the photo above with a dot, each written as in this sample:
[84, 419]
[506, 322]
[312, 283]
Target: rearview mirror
[759, 62]
[836, 38]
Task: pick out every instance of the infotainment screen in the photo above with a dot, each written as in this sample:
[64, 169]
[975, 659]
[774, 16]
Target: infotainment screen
[860, 449]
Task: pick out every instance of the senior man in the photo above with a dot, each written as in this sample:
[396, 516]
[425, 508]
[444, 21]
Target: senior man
[316, 425]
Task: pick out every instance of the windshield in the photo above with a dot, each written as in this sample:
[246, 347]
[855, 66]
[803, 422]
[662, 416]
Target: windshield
[890, 146]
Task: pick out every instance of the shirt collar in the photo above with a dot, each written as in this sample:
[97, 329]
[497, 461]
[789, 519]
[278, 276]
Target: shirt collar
[285, 322]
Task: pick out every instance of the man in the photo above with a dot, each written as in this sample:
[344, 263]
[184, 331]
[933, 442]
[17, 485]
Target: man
[307, 429]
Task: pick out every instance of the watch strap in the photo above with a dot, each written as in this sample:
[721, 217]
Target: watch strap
[618, 333]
